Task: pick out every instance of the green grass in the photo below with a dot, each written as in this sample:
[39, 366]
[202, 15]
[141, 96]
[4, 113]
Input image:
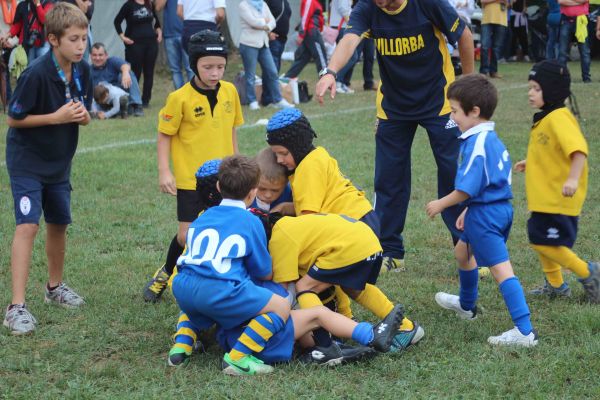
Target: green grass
[116, 346]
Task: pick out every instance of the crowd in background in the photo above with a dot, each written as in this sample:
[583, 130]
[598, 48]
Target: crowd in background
[505, 35]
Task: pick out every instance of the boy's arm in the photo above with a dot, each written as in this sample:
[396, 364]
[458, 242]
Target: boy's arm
[577, 163]
[72, 112]
[234, 140]
[520, 166]
[116, 106]
[166, 180]
[437, 206]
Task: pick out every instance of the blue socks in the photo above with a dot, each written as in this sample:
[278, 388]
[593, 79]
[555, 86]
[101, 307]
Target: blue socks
[514, 297]
[468, 288]
[363, 333]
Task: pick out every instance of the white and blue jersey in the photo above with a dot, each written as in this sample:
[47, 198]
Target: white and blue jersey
[228, 243]
[484, 166]
[226, 247]
[484, 173]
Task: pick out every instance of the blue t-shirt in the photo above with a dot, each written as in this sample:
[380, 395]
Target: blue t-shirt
[484, 166]
[227, 242]
[414, 63]
[109, 72]
[172, 24]
[286, 197]
[45, 152]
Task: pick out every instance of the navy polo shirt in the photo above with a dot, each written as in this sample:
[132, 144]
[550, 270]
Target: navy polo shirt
[44, 152]
[414, 63]
[172, 24]
[109, 72]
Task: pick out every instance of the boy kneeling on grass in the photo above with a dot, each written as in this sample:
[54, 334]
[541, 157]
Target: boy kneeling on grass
[483, 184]
[109, 100]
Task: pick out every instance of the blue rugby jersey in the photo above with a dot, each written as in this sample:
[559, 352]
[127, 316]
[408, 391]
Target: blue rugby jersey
[414, 62]
[484, 166]
[286, 197]
[227, 242]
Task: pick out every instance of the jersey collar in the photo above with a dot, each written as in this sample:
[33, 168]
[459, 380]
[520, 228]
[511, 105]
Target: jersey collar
[398, 11]
[233, 203]
[483, 127]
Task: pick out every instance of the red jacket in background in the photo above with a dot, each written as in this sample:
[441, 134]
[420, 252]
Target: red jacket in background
[312, 16]
[22, 17]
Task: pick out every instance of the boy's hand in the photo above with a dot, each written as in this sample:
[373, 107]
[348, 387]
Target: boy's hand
[71, 112]
[570, 187]
[433, 208]
[460, 221]
[166, 181]
[101, 115]
[284, 209]
[520, 166]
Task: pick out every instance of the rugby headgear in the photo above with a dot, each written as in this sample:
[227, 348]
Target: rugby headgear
[290, 128]
[206, 43]
[554, 79]
[206, 183]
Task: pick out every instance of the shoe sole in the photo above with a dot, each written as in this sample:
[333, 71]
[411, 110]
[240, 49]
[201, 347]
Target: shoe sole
[527, 345]
[231, 371]
[458, 314]
[18, 333]
[64, 305]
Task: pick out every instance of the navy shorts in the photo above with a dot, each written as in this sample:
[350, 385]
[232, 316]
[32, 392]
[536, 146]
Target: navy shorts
[354, 276]
[208, 301]
[552, 229]
[372, 220]
[31, 197]
[189, 205]
[487, 228]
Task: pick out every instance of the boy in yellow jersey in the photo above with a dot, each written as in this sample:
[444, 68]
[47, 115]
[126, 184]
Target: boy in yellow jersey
[318, 251]
[556, 182]
[198, 123]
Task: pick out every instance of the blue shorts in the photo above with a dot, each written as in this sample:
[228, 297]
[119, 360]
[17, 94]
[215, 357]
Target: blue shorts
[208, 301]
[354, 276]
[552, 229]
[487, 227]
[32, 197]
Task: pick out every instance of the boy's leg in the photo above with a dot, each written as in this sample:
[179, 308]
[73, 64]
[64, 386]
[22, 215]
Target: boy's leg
[565, 257]
[185, 339]
[56, 240]
[523, 334]
[271, 319]
[22, 249]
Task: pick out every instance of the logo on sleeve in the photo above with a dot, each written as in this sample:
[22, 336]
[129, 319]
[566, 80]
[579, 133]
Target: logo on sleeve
[25, 205]
[455, 25]
[166, 117]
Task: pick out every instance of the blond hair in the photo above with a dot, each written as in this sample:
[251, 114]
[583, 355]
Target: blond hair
[63, 16]
[269, 168]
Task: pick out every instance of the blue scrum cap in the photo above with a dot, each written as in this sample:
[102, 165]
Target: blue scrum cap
[290, 128]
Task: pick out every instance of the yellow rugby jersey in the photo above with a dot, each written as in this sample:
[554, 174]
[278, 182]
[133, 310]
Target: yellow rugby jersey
[328, 241]
[552, 141]
[494, 14]
[319, 186]
[197, 134]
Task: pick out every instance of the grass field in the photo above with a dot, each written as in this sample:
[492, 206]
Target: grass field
[116, 346]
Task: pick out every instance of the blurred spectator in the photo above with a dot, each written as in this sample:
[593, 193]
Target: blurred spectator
[109, 100]
[553, 26]
[339, 14]
[282, 12]
[464, 9]
[198, 15]
[493, 31]
[7, 43]
[177, 57]
[141, 38]
[574, 22]
[518, 27]
[116, 71]
[310, 42]
[28, 26]
[87, 6]
[256, 21]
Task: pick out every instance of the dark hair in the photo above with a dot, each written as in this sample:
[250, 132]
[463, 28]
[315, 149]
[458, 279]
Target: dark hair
[270, 169]
[474, 90]
[98, 46]
[147, 4]
[238, 175]
[100, 91]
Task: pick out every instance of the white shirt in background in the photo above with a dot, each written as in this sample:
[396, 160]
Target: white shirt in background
[200, 10]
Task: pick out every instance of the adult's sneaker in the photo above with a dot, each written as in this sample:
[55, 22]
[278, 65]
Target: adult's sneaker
[452, 302]
[247, 365]
[340, 88]
[550, 291]
[254, 106]
[591, 284]
[352, 354]
[403, 339]
[384, 332]
[283, 103]
[391, 264]
[19, 320]
[138, 110]
[327, 356]
[514, 337]
[63, 296]
[157, 285]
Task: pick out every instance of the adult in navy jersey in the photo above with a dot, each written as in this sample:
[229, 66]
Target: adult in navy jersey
[415, 68]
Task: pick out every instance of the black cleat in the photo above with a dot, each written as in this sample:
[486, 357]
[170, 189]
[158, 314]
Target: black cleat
[329, 356]
[385, 331]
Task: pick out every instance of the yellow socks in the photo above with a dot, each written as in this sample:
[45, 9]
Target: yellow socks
[255, 336]
[375, 301]
[308, 299]
[563, 256]
[186, 334]
[343, 303]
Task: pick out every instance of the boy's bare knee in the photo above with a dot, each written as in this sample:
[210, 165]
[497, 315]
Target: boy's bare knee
[281, 307]
[27, 230]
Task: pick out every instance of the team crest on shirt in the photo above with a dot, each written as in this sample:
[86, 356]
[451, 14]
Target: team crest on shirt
[199, 112]
[166, 117]
[227, 107]
[542, 138]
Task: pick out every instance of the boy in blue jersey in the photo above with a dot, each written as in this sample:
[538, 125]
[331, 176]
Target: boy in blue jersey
[274, 192]
[226, 247]
[483, 184]
[416, 69]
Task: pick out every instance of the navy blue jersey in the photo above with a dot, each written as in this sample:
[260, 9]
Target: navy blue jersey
[484, 167]
[228, 243]
[286, 197]
[414, 63]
